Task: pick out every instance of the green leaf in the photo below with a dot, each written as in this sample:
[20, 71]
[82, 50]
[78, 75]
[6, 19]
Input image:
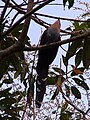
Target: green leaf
[73, 48]
[1, 85]
[52, 80]
[65, 61]
[71, 2]
[81, 83]
[83, 26]
[88, 23]
[16, 30]
[8, 81]
[78, 81]
[5, 92]
[4, 64]
[64, 2]
[67, 90]
[76, 92]
[84, 85]
[16, 63]
[86, 53]
[20, 55]
[82, 78]
[27, 41]
[19, 98]
[78, 57]
[55, 94]
[64, 107]
[58, 70]
[65, 115]
[76, 25]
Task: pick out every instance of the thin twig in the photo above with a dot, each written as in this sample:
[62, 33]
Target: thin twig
[88, 110]
[4, 11]
[26, 23]
[70, 101]
[24, 111]
[14, 18]
[69, 19]
[26, 15]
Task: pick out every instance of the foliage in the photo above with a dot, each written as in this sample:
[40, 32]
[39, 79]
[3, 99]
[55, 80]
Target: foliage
[67, 84]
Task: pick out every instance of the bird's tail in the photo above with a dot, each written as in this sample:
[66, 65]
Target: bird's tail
[41, 85]
[40, 91]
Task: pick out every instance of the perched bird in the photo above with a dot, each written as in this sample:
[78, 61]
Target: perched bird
[45, 58]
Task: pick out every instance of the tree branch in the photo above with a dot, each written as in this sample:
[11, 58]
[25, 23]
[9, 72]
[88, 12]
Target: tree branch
[16, 47]
[76, 108]
[15, 7]
[26, 23]
[41, 22]
[4, 11]
[26, 15]
[10, 50]
[76, 38]
[69, 19]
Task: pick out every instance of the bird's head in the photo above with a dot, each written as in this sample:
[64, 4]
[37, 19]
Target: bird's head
[53, 31]
[56, 26]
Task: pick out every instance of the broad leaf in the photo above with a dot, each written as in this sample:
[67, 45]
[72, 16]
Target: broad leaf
[5, 92]
[81, 83]
[65, 115]
[52, 80]
[77, 71]
[71, 2]
[67, 90]
[65, 61]
[86, 53]
[4, 64]
[64, 2]
[88, 23]
[58, 70]
[73, 48]
[78, 57]
[76, 25]
[83, 26]
[82, 78]
[64, 107]
[55, 94]
[8, 81]
[16, 31]
[76, 92]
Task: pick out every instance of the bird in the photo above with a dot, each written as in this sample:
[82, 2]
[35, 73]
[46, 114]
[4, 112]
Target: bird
[45, 58]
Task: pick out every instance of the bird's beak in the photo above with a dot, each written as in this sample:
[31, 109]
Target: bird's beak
[56, 25]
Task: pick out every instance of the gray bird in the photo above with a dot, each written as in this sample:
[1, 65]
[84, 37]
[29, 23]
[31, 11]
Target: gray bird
[45, 58]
